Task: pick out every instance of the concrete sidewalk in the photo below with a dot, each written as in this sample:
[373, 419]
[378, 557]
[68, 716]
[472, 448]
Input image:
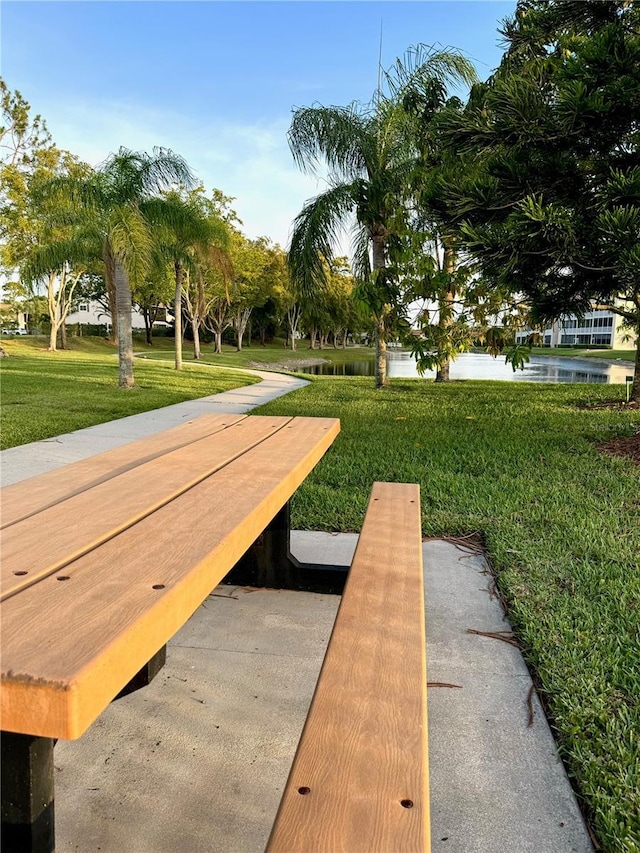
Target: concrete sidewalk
[198, 760]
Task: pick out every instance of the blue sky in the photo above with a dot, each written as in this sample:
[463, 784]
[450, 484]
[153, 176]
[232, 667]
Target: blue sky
[217, 81]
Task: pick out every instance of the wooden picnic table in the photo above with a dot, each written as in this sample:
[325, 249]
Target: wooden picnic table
[104, 560]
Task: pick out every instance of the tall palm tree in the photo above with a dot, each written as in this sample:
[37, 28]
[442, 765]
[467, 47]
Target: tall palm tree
[118, 206]
[191, 227]
[370, 152]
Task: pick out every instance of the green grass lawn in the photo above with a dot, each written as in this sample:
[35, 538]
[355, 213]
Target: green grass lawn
[517, 464]
[45, 394]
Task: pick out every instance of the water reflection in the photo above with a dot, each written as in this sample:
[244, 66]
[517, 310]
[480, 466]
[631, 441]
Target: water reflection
[482, 366]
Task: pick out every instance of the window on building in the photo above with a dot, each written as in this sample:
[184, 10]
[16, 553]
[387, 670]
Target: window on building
[602, 339]
[602, 322]
[83, 306]
[584, 339]
[567, 339]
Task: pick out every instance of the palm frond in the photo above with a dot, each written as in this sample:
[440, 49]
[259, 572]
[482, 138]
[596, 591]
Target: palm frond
[45, 258]
[316, 230]
[334, 135]
[132, 176]
[430, 71]
[360, 250]
[131, 240]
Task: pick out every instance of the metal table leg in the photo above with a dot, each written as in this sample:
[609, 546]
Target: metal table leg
[270, 563]
[27, 794]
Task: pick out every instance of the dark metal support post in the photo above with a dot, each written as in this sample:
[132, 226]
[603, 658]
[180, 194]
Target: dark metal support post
[270, 563]
[27, 794]
[145, 676]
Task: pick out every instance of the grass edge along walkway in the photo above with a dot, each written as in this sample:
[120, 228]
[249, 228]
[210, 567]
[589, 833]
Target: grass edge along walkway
[48, 394]
[517, 463]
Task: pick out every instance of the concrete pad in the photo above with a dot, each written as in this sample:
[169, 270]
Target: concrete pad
[198, 760]
[497, 783]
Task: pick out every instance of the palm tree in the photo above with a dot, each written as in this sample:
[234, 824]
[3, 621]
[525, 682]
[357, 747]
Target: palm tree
[191, 227]
[118, 206]
[370, 152]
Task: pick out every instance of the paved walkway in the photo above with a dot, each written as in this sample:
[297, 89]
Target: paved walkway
[197, 761]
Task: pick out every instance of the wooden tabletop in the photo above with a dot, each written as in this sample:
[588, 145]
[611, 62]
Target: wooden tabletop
[104, 560]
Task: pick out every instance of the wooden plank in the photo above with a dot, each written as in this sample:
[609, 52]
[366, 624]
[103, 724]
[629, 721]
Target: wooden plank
[128, 597]
[37, 493]
[47, 541]
[363, 750]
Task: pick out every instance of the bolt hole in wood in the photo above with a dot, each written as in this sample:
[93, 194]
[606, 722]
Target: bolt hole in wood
[158, 586]
[21, 573]
[63, 578]
[304, 790]
[406, 804]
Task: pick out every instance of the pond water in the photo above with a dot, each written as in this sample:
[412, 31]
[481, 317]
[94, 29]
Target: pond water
[482, 366]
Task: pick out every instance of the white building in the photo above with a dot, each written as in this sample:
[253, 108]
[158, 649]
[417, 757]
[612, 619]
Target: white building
[91, 312]
[600, 327]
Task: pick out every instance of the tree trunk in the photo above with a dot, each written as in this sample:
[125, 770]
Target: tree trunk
[313, 334]
[442, 371]
[240, 322]
[379, 263]
[195, 325]
[53, 310]
[110, 283]
[123, 320]
[445, 318]
[293, 319]
[635, 388]
[177, 314]
[63, 334]
[146, 314]
[218, 342]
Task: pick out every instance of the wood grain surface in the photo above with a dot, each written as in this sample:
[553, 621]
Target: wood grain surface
[71, 641]
[47, 541]
[37, 493]
[359, 781]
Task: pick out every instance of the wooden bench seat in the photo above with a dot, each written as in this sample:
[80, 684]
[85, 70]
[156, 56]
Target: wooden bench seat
[359, 780]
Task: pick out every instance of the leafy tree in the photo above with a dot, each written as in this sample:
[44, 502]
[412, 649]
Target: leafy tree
[264, 320]
[332, 312]
[370, 154]
[37, 241]
[153, 295]
[552, 207]
[192, 231]
[116, 207]
[253, 265]
[23, 139]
